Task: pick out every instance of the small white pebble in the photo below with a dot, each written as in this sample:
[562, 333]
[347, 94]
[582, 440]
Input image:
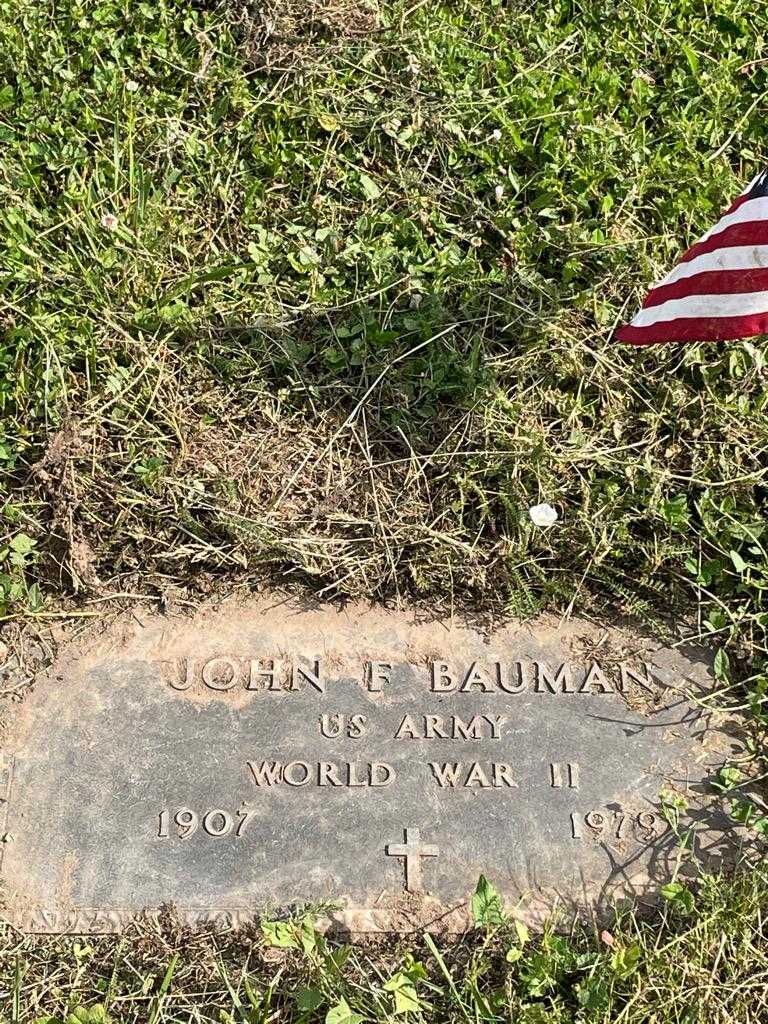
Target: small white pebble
[109, 221]
[543, 514]
[499, 192]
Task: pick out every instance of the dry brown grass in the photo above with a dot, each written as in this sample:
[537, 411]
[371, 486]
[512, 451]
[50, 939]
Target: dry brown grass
[284, 35]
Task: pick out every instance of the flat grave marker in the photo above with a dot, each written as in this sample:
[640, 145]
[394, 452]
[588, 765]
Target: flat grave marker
[267, 754]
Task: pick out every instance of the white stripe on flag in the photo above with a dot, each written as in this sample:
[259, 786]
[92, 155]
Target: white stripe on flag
[737, 257]
[693, 306]
[751, 184]
[753, 209]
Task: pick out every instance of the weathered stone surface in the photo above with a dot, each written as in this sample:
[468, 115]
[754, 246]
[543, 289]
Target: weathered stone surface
[263, 755]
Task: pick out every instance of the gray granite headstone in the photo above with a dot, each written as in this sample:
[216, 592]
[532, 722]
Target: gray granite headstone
[264, 755]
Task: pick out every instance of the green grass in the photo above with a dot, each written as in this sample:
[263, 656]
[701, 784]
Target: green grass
[708, 967]
[352, 316]
[321, 293]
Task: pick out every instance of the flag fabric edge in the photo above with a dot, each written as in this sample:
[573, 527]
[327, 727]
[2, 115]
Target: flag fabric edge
[718, 289]
[719, 329]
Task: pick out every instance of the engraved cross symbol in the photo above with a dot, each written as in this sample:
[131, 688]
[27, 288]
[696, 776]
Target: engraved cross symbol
[412, 851]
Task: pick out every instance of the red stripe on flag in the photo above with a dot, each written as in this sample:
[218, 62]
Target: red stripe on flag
[711, 328]
[751, 232]
[710, 282]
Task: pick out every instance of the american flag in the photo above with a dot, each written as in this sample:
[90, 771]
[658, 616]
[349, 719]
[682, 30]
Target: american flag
[719, 289]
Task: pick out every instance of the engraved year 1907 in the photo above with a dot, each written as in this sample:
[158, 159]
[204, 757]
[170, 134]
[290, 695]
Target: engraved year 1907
[215, 823]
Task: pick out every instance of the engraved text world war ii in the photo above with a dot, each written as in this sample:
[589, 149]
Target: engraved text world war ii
[264, 756]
